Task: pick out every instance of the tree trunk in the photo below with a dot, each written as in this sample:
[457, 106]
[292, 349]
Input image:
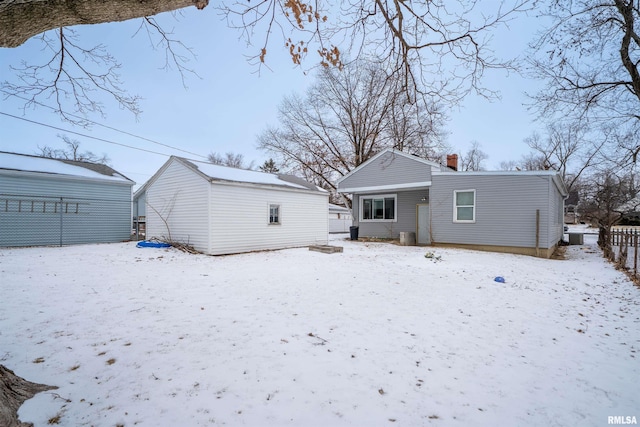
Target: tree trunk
[604, 241]
[23, 19]
[13, 392]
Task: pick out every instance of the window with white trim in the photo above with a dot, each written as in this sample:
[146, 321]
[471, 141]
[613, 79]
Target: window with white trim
[464, 206]
[378, 208]
[274, 214]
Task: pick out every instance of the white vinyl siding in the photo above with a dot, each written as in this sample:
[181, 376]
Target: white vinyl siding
[240, 226]
[177, 207]
[223, 217]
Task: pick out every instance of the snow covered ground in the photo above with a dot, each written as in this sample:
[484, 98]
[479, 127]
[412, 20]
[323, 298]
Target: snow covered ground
[379, 335]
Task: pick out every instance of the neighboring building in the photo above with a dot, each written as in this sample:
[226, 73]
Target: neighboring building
[518, 212]
[221, 210]
[340, 219]
[47, 201]
[571, 215]
[630, 219]
[139, 214]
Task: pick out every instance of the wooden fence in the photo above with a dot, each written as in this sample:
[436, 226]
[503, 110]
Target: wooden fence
[624, 243]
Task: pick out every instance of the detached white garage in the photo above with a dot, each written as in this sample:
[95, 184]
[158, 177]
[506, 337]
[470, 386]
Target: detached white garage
[221, 210]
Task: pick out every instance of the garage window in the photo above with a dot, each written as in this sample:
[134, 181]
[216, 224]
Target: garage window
[274, 214]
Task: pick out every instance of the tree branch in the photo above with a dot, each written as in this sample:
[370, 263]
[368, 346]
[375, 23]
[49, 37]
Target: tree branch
[23, 19]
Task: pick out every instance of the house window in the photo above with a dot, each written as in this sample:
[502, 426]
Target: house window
[464, 206]
[378, 208]
[274, 214]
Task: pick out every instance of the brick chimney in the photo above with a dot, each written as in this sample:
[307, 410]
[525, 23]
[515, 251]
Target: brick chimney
[452, 161]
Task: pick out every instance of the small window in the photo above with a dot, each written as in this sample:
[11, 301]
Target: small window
[464, 206]
[378, 208]
[274, 214]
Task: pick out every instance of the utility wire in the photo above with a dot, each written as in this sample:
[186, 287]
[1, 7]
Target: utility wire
[87, 136]
[104, 126]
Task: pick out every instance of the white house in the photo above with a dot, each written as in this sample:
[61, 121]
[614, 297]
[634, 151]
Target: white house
[222, 210]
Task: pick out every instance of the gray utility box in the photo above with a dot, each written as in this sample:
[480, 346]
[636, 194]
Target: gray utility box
[576, 238]
[407, 238]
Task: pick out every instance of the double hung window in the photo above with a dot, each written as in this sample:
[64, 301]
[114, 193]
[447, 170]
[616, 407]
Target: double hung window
[464, 206]
[274, 214]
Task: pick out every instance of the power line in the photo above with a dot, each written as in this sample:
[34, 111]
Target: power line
[85, 135]
[103, 125]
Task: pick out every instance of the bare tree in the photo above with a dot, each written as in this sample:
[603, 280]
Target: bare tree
[163, 208]
[437, 49]
[229, 159]
[65, 75]
[346, 118]
[72, 152]
[417, 129]
[567, 149]
[533, 161]
[474, 158]
[509, 165]
[71, 72]
[418, 40]
[539, 157]
[589, 58]
[608, 197]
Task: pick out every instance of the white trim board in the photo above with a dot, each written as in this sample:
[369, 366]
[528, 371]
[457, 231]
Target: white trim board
[406, 186]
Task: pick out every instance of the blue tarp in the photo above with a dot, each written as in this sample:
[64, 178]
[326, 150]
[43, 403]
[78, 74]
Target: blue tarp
[149, 244]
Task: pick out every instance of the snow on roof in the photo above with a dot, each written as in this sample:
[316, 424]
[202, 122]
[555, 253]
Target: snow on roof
[226, 173]
[333, 207]
[25, 162]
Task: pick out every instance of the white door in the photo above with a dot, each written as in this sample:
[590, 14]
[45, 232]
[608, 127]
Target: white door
[423, 235]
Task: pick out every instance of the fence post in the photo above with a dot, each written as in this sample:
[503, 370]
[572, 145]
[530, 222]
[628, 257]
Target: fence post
[612, 239]
[635, 253]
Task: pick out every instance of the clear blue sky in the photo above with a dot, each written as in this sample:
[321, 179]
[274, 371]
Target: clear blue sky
[231, 103]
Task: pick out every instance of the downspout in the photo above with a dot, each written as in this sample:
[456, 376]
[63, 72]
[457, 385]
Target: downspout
[538, 232]
[61, 199]
[209, 219]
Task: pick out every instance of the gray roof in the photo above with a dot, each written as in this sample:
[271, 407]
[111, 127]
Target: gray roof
[38, 164]
[219, 173]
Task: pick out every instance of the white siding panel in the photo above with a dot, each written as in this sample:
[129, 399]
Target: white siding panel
[340, 225]
[240, 219]
[180, 196]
